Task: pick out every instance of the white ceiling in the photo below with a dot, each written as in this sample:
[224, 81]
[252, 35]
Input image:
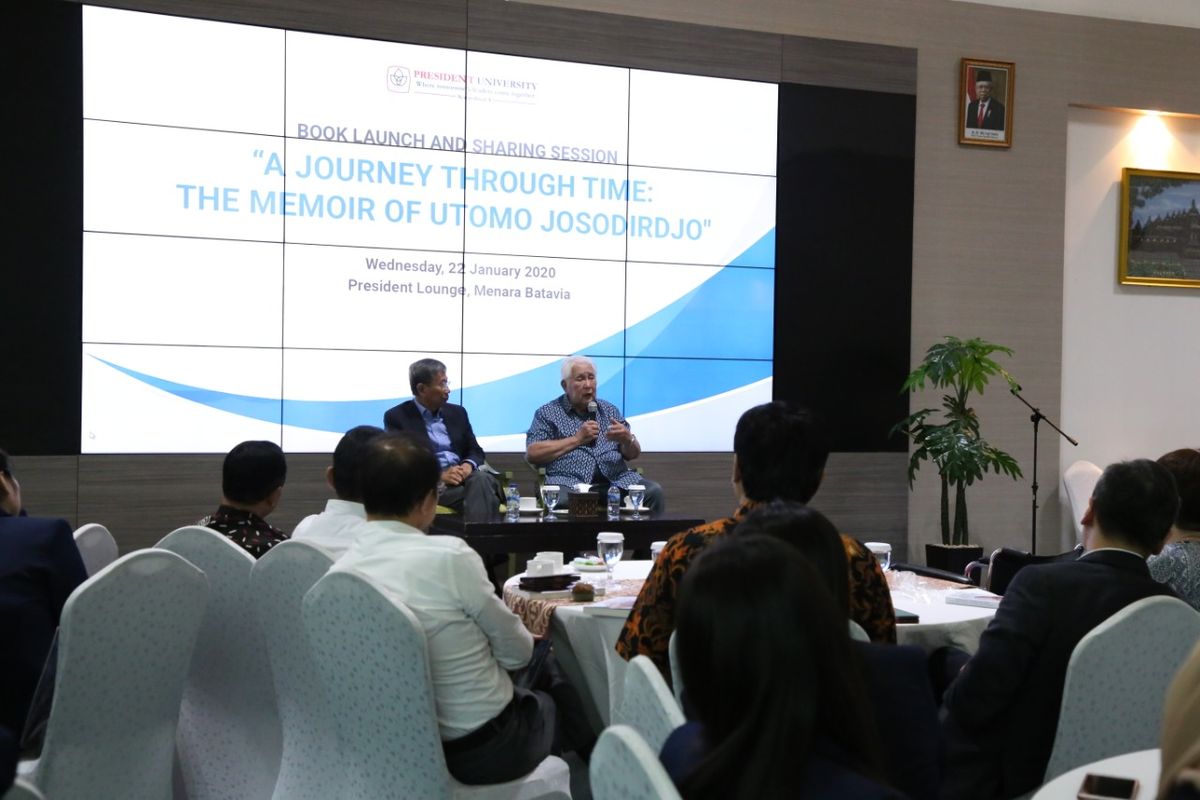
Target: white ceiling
[1185, 13]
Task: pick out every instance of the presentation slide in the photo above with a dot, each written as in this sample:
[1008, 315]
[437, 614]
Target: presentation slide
[276, 224]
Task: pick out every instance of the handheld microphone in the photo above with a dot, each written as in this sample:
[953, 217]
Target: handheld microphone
[592, 407]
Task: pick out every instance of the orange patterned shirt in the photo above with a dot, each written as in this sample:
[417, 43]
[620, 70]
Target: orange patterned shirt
[648, 630]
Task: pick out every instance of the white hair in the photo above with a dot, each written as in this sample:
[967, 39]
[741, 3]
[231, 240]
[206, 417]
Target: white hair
[568, 364]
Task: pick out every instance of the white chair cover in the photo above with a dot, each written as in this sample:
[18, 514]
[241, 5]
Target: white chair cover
[97, 547]
[1116, 680]
[371, 655]
[676, 675]
[124, 647]
[229, 739]
[309, 768]
[1078, 481]
[23, 791]
[858, 633]
[648, 705]
[623, 767]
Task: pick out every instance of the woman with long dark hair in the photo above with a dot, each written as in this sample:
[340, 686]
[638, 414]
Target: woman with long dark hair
[896, 677]
[779, 707]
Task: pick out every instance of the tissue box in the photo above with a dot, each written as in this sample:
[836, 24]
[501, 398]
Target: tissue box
[583, 504]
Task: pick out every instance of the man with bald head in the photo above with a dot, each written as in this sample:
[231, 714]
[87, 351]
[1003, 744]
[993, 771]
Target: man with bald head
[580, 438]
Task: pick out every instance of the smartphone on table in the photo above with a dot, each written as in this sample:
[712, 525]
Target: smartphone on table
[1107, 787]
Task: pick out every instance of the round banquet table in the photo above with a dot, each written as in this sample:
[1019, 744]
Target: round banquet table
[1144, 765]
[585, 635]
[940, 623]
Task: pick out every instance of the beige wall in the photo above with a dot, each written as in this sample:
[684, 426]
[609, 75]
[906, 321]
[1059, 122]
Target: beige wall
[989, 224]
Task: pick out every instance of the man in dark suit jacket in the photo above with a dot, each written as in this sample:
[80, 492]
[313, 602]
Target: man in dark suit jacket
[446, 430]
[1001, 712]
[39, 568]
[985, 112]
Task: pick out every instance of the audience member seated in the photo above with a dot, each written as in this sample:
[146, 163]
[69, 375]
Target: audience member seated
[492, 731]
[779, 705]
[39, 568]
[897, 677]
[1178, 565]
[1001, 711]
[445, 429]
[251, 485]
[779, 453]
[1179, 778]
[336, 528]
[579, 438]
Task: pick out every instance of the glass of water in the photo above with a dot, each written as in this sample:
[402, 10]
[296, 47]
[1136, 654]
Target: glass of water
[637, 493]
[549, 500]
[610, 547]
[882, 552]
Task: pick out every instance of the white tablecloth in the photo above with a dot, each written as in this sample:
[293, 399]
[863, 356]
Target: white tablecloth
[1144, 765]
[585, 636]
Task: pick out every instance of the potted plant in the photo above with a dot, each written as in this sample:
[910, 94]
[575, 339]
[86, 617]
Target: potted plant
[952, 441]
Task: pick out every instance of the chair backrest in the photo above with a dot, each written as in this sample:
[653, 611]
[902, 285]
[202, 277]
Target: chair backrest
[23, 791]
[371, 655]
[1079, 480]
[1006, 562]
[676, 675]
[858, 633]
[97, 547]
[1116, 680]
[309, 766]
[124, 649]
[648, 705]
[229, 738]
[623, 767]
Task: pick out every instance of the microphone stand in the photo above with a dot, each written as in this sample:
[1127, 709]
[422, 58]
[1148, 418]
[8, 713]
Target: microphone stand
[1036, 418]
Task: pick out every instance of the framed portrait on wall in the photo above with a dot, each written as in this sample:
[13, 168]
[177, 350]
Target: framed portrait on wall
[985, 113]
[1160, 228]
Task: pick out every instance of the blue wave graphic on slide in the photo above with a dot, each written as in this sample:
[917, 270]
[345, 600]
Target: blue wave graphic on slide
[729, 318]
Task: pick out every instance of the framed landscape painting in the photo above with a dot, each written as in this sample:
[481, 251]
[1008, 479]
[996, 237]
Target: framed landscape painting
[1160, 228]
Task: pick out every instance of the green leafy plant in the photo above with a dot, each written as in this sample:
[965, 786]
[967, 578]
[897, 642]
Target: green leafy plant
[952, 441]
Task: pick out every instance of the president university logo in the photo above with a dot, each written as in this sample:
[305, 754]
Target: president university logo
[398, 79]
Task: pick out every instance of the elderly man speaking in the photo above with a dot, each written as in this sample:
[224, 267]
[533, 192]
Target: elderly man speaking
[579, 438]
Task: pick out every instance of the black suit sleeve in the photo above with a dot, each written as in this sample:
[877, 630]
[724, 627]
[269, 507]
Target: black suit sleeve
[66, 570]
[987, 687]
[470, 449]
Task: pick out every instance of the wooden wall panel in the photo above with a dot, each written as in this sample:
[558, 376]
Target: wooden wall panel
[141, 498]
[849, 65]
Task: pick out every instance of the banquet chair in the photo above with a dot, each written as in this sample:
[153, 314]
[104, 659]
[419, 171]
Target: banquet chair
[228, 742]
[648, 705]
[23, 790]
[1116, 679]
[676, 675]
[1006, 562]
[370, 653]
[97, 547]
[1079, 480]
[623, 767]
[125, 643]
[279, 580]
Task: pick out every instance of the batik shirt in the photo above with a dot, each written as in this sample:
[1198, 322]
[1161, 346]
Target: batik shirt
[648, 629]
[253, 533]
[558, 419]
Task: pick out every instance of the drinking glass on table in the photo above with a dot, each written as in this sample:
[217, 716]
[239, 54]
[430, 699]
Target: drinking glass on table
[610, 547]
[637, 493]
[549, 500]
[882, 552]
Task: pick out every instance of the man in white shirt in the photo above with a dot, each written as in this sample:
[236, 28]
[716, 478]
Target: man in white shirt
[344, 517]
[491, 731]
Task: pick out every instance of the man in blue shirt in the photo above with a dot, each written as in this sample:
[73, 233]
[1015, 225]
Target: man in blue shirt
[579, 438]
[445, 429]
